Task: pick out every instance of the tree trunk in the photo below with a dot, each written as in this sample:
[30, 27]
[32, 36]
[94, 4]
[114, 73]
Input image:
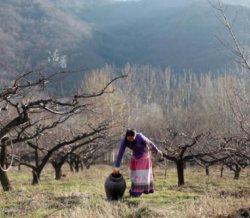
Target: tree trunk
[3, 175]
[36, 157]
[36, 177]
[5, 181]
[81, 166]
[71, 166]
[207, 170]
[58, 171]
[237, 173]
[57, 165]
[184, 165]
[166, 169]
[180, 172]
[77, 164]
[221, 171]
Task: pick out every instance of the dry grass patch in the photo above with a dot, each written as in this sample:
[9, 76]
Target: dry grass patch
[211, 206]
[82, 195]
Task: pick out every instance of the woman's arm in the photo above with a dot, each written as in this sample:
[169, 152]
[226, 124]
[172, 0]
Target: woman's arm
[153, 147]
[120, 154]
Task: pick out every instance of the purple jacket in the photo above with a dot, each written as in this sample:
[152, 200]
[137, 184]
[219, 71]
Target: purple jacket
[138, 146]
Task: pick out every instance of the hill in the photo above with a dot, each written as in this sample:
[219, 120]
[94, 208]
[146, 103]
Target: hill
[77, 34]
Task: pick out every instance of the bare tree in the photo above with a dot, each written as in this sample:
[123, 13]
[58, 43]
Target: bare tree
[234, 46]
[84, 138]
[238, 96]
[180, 148]
[3, 155]
[83, 152]
[26, 115]
[238, 152]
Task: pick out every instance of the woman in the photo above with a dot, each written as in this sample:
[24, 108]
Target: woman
[140, 165]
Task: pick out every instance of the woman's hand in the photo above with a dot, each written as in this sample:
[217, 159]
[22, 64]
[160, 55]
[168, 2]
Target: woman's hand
[160, 153]
[116, 171]
[161, 158]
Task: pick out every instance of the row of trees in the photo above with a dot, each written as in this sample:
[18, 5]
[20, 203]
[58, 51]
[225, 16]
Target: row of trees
[49, 127]
[201, 118]
[195, 118]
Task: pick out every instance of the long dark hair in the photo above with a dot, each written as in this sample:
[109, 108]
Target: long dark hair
[130, 132]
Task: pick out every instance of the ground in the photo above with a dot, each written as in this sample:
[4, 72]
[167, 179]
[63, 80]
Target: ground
[82, 195]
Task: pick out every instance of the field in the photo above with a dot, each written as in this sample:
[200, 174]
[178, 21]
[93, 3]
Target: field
[82, 195]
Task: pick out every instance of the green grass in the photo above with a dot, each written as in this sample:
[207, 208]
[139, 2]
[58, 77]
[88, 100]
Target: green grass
[83, 193]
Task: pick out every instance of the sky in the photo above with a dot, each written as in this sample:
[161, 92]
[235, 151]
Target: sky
[240, 2]
[127, 0]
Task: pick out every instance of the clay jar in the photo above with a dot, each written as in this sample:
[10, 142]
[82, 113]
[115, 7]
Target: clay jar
[115, 186]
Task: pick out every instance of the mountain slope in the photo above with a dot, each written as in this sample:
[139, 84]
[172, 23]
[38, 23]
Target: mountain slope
[181, 36]
[91, 33]
[29, 30]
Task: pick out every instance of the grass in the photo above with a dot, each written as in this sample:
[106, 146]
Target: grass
[82, 195]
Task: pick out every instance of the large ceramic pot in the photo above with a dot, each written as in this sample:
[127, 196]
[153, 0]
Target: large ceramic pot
[115, 186]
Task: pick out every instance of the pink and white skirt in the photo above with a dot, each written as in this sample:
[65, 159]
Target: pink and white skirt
[141, 175]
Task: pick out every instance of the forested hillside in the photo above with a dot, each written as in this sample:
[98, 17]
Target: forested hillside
[89, 34]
